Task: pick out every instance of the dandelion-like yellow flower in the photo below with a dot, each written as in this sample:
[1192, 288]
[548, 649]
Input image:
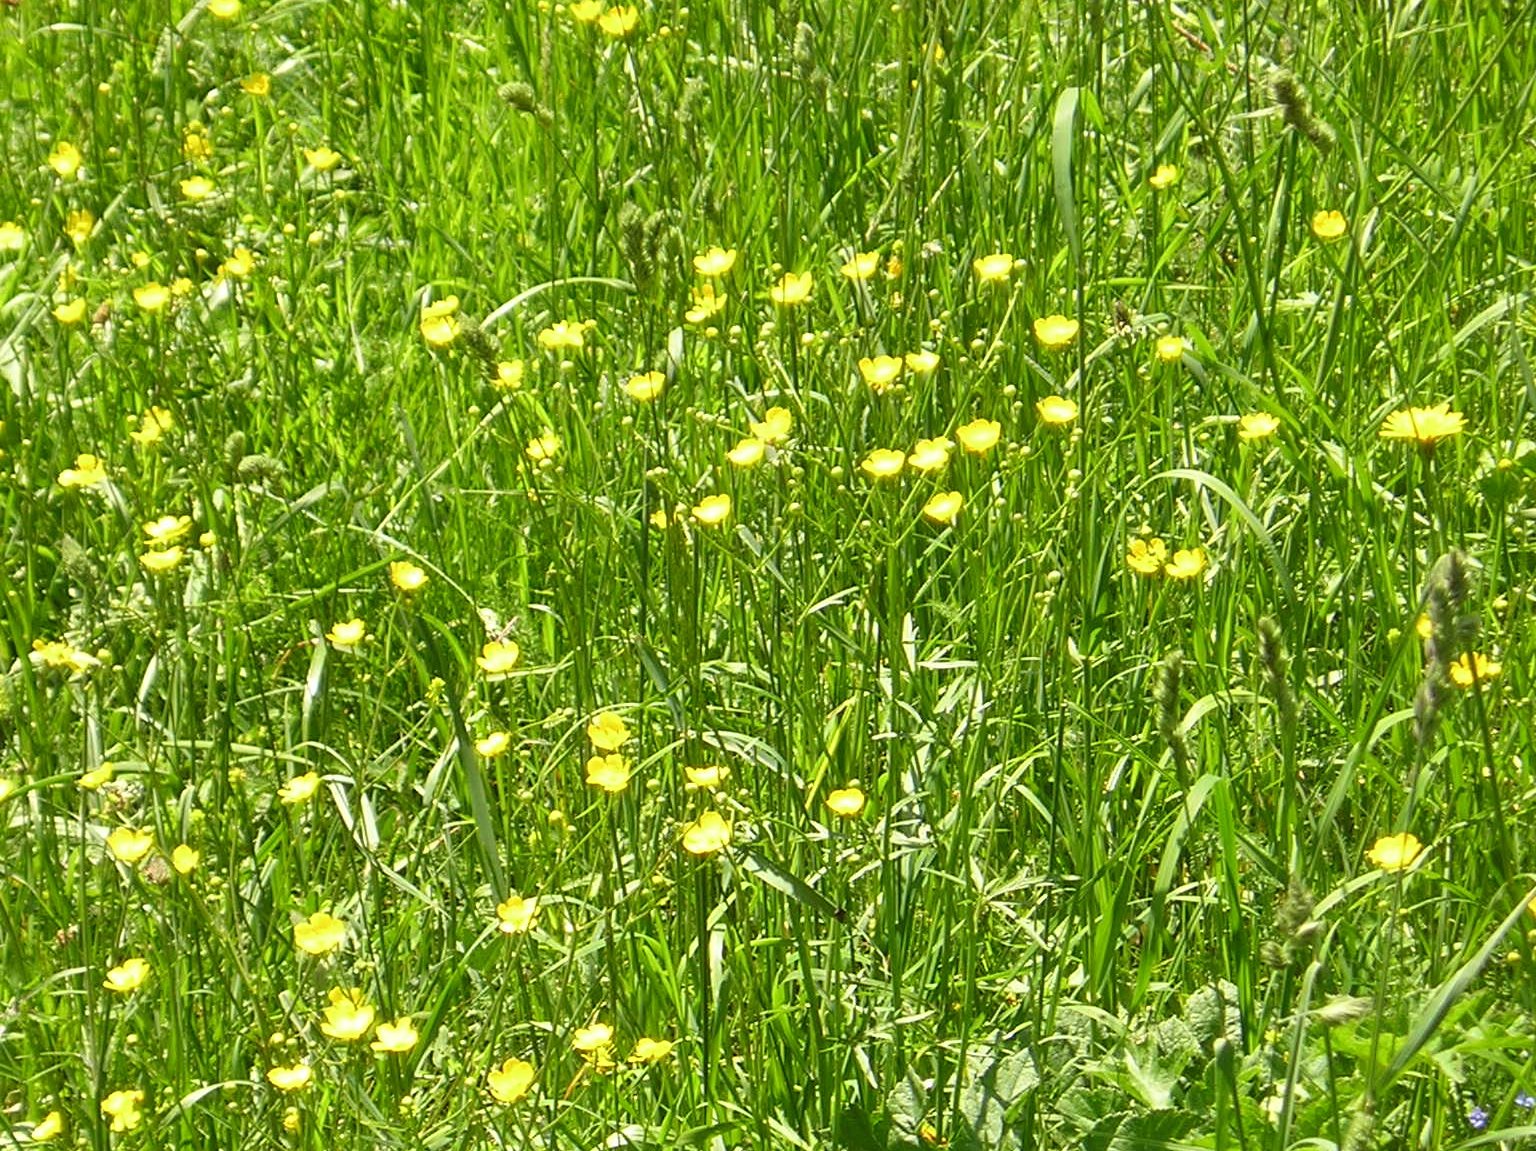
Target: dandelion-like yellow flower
[1171, 349]
[650, 1050]
[1055, 332]
[645, 387]
[71, 312]
[406, 576]
[979, 436]
[65, 160]
[195, 145]
[509, 375]
[185, 859]
[1257, 426]
[607, 731]
[322, 159]
[257, 84]
[122, 1107]
[130, 844]
[13, 238]
[195, 188]
[619, 21]
[794, 288]
[347, 635]
[543, 447]
[515, 915]
[511, 1081]
[708, 778]
[498, 658]
[1474, 667]
[563, 335]
[586, 11]
[593, 1037]
[883, 463]
[1395, 852]
[707, 304]
[608, 773]
[78, 225]
[715, 262]
[293, 1078]
[97, 778]
[164, 560]
[863, 266]
[708, 834]
[153, 425]
[167, 529]
[712, 511]
[993, 269]
[774, 427]
[930, 455]
[1164, 177]
[299, 789]
[1146, 556]
[395, 1038]
[48, 1128]
[1424, 426]
[152, 297]
[348, 1017]
[880, 372]
[320, 934]
[1185, 564]
[1055, 411]
[129, 975]
[1329, 226]
[846, 802]
[943, 508]
[493, 745]
[747, 453]
[921, 363]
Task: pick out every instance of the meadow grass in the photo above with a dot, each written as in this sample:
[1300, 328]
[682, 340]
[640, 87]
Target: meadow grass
[1010, 651]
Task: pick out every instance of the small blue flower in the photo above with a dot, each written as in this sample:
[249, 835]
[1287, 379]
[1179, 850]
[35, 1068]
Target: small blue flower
[1477, 1118]
[1524, 1100]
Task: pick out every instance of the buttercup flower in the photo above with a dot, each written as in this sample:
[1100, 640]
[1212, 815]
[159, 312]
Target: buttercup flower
[509, 375]
[1166, 176]
[1424, 426]
[241, 263]
[646, 387]
[943, 508]
[846, 802]
[715, 262]
[880, 372]
[185, 859]
[196, 188]
[993, 269]
[747, 453]
[299, 789]
[543, 447]
[395, 1038]
[563, 335]
[497, 658]
[152, 297]
[347, 635]
[294, 1078]
[921, 363]
[608, 773]
[1474, 667]
[650, 1050]
[320, 934]
[1329, 226]
[707, 304]
[707, 835]
[129, 975]
[406, 576]
[195, 145]
[48, 1128]
[167, 529]
[930, 455]
[586, 11]
[516, 915]
[706, 778]
[794, 288]
[620, 21]
[322, 159]
[78, 225]
[883, 463]
[348, 1017]
[129, 844]
[493, 745]
[65, 160]
[97, 778]
[774, 427]
[1394, 852]
[1257, 426]
[71, 312]
[257, 84]
[712, 511]
[153, 425]
[1146, 556]
[122, 1107]
[1055, 332]
[13, 238]
[164, 560]
[1186, 563]
[1055, 411]
[88, 471]
[862, 266]
[979, 436]
[511, 1081]
[440, 325]
[593, 1037]
[608, 731]
[1171, 349]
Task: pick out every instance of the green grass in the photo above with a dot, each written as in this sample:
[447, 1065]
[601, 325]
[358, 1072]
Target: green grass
[1111, 885]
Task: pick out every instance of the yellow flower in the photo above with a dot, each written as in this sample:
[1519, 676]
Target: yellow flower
[440, 331]
[1171, 349]
[349, 1015]
[712, 511]
[794, 288]
[930, 455]
[880, 372]
[516, 915]
[593, 1037]
[747, 453]
[195, 145]
[706, 778]
[1055, 332]
[543, 447]
[97, 778]
[1186, 563]
[1474, 667]
[707, 834]
[586, 11]
[608, 773]
[164, 560]
[1055, 411]
[922, 363]
[1424, 426]
[347, 635]
[1166, 176]
[494, 744]
[1424, 627]
[7, 787]
[619, 22]
[185, 859]
[299, 789]
[497, 658]
[167, 529]
[563, 335]
[511, 1081]
[322, 159]
[153, 425]
[65, 160]
[406, 576]
[608, 731]
[862, 266]
[715, 262]
[294, 1078]
[71, 312]
[1395, 852]
[195, 188]
[883, 463]
[645, 387]
[650, 1050]
[257, 84]
[943, 507]
[395, 1038]
[48, 1128]
[129, 845]
[1146, 556]
[129, 975]
[993, 269]
[1257, 426]
[152, 297]
[1329, 226]
[847, 802]
[979, 436]
[241, 263]
[13, 238]
[774, 427]
[707, 304]
[78, 225]
[509, 375]
[320, 934]
[122, 1107]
